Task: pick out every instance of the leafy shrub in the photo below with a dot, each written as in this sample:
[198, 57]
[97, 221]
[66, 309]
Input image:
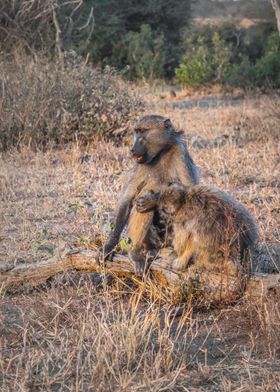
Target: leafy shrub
[204, 62]
[244, 58]
[43, 102]
[253, 41]
[120, 23]
[195, 67]
[145, 54]
[240, 74]
[267, 68]
[220, 52]
[265, 71]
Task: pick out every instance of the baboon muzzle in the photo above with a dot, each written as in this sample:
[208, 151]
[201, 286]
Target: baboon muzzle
[139, 152]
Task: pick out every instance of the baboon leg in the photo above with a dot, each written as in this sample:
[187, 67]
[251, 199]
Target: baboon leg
[181, 262]
[138, 229]
[152, 240]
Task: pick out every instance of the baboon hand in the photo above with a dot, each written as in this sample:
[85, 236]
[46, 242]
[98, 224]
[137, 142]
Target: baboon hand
[147, 201]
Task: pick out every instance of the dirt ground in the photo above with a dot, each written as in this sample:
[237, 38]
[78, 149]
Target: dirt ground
[83, 332]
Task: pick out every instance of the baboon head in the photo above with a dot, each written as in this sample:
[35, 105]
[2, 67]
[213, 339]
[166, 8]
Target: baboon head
[152, 135]
[172, 198]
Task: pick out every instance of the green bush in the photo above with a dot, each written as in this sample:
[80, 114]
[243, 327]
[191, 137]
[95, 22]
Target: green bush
[220, 57]
[240, 74]
[195, 67]
[253, 41]
[119, 24]
[267, 68]
[253, 60]
[44, 102]
[145, 54]
[98, 29]
[204, 62]
[265, 71]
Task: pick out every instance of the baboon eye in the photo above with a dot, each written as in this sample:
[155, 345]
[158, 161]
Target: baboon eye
[167, 123]
[141, 130]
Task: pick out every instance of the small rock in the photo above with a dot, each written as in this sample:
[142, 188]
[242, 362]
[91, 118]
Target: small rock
[85, 158]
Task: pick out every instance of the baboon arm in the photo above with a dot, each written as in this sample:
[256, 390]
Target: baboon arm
[123, 211]
[120, 222]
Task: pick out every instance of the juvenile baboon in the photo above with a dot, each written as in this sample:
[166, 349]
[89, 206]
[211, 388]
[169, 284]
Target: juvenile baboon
[161, 157]
[210, 228]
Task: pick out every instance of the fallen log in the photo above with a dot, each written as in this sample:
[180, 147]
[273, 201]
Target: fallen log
[213, 285]
[81, 260]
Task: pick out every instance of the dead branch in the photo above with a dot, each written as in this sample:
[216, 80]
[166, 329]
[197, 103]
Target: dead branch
[214, 285]
[57, 35]
[81, 260]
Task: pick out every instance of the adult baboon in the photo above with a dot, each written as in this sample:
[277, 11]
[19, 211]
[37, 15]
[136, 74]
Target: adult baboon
[161, 157]
[210, 228]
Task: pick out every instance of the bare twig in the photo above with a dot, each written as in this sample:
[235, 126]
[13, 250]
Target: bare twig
[57, 35]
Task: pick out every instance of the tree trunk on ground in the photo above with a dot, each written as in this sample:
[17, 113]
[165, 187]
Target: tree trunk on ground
[212, 285]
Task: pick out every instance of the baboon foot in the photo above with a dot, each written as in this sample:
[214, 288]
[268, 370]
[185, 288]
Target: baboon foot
[179, 264]
[140, 266]
[102, 256]
[139, 269]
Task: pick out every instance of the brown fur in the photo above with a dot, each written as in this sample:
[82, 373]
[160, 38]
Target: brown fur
[211, 229]
[167, 160]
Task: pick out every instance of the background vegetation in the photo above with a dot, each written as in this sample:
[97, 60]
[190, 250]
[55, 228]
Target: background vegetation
[63, 63]
[231, 56]
[44, 102]
[146, 40]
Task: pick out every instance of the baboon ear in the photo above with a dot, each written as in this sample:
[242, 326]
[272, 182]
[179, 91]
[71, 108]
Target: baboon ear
[167, 123]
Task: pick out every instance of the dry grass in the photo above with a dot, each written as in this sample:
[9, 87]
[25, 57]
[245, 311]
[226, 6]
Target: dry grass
[45, 103]
[82, 333]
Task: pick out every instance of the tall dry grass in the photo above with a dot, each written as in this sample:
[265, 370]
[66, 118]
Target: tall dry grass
[72, 337]
[45, 103]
